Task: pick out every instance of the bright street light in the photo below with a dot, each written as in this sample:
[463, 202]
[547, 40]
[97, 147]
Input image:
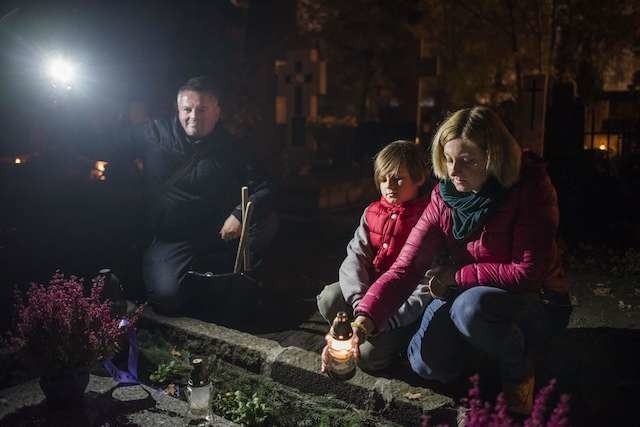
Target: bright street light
[61, 73]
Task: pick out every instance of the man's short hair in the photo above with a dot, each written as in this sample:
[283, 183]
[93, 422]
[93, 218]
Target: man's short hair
[202, 84]
[401, 153]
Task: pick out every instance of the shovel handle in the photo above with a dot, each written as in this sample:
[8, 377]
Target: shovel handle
[243, 238]
[245, 201]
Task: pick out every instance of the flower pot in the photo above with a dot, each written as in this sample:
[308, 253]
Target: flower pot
[65, 388]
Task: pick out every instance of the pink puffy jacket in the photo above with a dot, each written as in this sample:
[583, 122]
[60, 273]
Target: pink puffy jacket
[514, 250]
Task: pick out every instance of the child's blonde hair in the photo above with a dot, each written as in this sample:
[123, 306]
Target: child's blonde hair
[401, 153]
[483, 128]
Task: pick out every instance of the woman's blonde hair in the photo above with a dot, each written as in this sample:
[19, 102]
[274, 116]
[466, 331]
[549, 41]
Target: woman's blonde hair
[401, 153]
[482, 127]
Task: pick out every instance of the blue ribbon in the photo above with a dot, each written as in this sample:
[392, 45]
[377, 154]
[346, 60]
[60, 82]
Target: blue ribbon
[130, 376]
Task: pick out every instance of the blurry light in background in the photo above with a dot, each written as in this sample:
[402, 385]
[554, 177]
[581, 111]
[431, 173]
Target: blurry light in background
[61, 72]
[99, 170]
[603, 147]
[17, 161]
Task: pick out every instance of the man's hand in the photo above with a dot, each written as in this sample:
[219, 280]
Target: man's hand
[231, 228]
[440, 280]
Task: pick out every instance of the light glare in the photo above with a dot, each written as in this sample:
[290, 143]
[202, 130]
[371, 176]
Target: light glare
[61, 72]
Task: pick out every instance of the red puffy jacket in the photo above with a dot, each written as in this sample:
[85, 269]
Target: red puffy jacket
[389, 226]
[514, 250]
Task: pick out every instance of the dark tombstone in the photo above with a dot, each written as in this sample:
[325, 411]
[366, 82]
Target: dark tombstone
[533, 107]
[301, 79]
[565, 123]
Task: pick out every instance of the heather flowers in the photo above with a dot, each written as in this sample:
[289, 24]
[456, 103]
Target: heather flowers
[476, 413]
[483, 414]
[59, 326]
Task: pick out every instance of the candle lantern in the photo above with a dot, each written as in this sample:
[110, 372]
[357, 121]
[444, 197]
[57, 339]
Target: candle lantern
[199, 394]
[342, 365]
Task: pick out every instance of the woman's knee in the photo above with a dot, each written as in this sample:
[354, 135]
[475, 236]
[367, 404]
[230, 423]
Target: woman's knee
[478, 304]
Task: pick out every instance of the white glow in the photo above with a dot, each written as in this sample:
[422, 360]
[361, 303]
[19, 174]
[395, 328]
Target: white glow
[341, 345]
[603, 147]
[61, 72]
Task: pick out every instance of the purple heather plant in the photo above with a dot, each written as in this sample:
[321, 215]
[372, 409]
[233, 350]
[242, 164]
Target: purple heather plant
[59, 326]
[482, 414]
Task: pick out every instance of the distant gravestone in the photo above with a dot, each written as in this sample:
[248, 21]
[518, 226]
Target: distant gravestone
[301, 78]
[428, 67]
[532, 112]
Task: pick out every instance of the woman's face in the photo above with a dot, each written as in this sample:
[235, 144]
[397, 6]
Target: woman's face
[466, 165]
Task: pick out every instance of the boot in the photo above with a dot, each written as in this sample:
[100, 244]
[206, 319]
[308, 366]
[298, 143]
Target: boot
[519, 396]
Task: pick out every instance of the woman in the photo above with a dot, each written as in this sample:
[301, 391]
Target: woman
[495, 210]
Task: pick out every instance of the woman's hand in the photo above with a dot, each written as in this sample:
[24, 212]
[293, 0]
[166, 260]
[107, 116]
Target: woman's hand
[440, 280]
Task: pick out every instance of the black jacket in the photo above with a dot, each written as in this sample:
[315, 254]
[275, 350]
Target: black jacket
[197, 203]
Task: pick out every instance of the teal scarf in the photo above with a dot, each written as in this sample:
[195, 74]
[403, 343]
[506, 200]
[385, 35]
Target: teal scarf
[471, 210]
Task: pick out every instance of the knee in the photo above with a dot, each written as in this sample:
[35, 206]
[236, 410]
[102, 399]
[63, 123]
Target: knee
[330, 300]
[469, 307]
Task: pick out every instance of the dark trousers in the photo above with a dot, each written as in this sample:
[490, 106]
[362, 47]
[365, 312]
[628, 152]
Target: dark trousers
[501, 324]
[166, 264]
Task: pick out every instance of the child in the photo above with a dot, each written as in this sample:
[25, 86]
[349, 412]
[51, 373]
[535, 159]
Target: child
[401, 171]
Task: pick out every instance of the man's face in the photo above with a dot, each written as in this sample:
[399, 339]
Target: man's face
[198, 113]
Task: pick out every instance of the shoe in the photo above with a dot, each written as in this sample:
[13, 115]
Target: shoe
[519, 396]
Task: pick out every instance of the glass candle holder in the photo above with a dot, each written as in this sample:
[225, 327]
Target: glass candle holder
[199, 395]
[342, 365]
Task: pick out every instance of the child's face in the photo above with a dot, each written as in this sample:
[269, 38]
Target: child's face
[399, 188]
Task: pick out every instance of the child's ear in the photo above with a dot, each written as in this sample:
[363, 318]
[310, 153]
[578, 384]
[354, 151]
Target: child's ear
[421, 181]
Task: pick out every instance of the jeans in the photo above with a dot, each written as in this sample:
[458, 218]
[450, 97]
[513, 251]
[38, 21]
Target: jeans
[503, 325]
[166, 263]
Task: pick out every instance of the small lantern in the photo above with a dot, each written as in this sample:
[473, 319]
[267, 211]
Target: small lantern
[199, 394]
[342, 365]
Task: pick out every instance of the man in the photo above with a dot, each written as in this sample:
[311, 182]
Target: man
[193, 173]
